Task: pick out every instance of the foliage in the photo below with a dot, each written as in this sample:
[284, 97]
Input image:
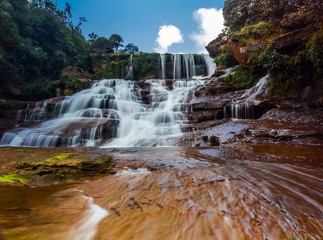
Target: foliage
[270, 59]
[251, 33]
[130, 48]
[72, 81]
[296, 63]
[235, 13]
[111, 65]
[225, 58]
[285, 71]
[146, 65]
[37, 42]
[315, 50]
[116, 42]
[40, 90]
[241, 78]
[102, 45]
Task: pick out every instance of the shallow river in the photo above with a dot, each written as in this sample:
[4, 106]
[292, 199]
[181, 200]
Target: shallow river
[180, 193]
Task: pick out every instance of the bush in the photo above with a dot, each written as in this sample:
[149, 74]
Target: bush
[146, 65]
[315, 50]
[225, 58]
[40, 90]
[260, 31]
[270, 59]
[241, 78]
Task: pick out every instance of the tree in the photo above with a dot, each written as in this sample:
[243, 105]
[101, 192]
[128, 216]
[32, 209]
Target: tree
[235, 13]
[130, 48]
[116, 42]
[78, 26]
[102, 45]
[93, 37]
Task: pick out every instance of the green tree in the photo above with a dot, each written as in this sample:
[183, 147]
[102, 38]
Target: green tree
[235, 13]
[130, 48]
[116, 41]
[102, 45]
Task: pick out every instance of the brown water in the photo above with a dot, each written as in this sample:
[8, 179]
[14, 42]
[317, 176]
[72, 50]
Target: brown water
[264, 191]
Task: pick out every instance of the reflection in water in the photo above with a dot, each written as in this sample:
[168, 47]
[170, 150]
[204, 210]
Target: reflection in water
[218, 193]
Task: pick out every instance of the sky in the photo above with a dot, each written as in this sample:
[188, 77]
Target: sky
[174, 26]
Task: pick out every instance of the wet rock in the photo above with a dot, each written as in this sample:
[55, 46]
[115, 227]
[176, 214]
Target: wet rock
[211, 140]
[66, 166]
[201, 106]
[214, 140]
[212, 88]
[206, 115]
[309, 96]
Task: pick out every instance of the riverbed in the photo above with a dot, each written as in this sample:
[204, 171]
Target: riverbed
[238, 191]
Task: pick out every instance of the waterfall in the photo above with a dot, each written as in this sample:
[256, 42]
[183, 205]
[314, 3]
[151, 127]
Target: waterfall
[210, 65]
[177, 69]
[159, 125]
[189, 66]
[163, 67]
[112, 114]
[244, 107]
[130, 74]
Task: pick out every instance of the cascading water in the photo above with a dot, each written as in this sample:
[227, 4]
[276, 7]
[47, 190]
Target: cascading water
[112, 109]
[210, 65]
[177, 69]
[244, 106]
[187, 66]
[120, 110]
[158, 125]
[130, 72]
[163, 66]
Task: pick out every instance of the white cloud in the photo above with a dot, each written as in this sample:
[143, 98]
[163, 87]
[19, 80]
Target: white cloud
[211, 23]
[167, 36]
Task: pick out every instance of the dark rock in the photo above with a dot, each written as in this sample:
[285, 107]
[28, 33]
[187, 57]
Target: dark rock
[202, 106]
[309, 96]
[206, 115]
[214, 140]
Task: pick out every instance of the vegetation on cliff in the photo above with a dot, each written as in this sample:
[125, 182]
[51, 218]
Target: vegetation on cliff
[281, 37]
[43, 52]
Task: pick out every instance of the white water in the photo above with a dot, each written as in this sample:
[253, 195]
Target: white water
[128, 171]
[163, 67]
[185, 66]
[243, 107]
[113, 109]
[86, 228]
[158, 125]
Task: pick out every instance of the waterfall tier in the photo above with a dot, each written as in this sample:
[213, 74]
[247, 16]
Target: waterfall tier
[186, 66]
[114, 113]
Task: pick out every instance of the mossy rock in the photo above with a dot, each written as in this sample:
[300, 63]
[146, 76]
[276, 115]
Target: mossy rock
[67, 164]
[14, 178]
[42, 166]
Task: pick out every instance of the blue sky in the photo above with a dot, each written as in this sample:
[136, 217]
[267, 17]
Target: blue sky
[186, 28]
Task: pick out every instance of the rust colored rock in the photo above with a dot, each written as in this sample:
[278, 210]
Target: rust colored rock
[242, 54]
[216, 45]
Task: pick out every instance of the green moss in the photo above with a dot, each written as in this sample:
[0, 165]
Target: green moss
[241, 78]
[259, 31]
[224, 58]
[12, 178]
[315, 50]
[57, 158]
